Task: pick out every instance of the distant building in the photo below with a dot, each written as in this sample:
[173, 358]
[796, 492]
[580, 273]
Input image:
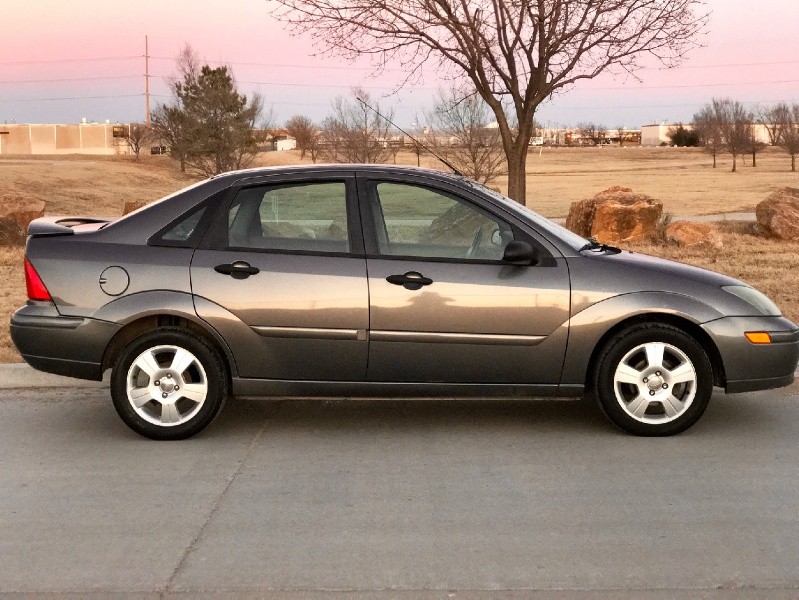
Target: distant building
[79, 138]
[657, 134]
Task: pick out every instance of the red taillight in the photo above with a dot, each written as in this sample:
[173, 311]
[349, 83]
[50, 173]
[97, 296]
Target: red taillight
[34, 283]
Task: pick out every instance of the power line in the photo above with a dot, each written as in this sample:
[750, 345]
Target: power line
[696, 85]
[71, 79]
[279, 65]
[69, 60]
[72, 98]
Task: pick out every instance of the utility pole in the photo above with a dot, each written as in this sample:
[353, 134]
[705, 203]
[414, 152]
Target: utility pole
[146, 81]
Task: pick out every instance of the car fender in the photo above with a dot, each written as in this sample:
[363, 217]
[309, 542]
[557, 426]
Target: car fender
[588, 327]
[134, 307]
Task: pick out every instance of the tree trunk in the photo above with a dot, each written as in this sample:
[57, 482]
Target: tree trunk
[754, 158]
[714, 160]
[734, 163]
[793, 162]
[517, 174]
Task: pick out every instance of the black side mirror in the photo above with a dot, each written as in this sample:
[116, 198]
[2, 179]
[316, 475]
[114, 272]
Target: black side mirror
[519, 253]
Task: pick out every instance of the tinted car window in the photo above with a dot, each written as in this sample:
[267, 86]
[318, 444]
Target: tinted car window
[183, 230]
[302, 217]
[417, 221]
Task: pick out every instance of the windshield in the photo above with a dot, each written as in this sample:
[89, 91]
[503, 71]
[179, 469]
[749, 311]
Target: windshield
[569, 237]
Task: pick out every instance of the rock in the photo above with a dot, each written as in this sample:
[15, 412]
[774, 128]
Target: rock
[615, 215]
[456, 227]
[694, 235]
[131, 205]
[11, 233]
[778, 215]
[15, 216]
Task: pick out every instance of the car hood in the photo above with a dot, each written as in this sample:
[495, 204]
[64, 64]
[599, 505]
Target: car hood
[669, 268]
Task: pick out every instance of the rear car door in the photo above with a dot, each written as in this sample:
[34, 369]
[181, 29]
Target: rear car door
[281, 274]
[444, 307]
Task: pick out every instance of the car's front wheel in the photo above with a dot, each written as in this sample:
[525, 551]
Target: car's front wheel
[653, 380]
[168, 384]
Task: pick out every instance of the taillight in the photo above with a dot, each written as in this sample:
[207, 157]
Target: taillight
[34, 283]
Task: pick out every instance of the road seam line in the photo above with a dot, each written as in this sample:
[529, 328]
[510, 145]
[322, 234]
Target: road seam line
[195, 542]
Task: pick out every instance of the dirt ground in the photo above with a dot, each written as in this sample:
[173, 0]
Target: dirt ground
[683, 179]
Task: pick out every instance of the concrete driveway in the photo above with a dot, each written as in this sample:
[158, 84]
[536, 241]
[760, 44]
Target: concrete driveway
[399, 499]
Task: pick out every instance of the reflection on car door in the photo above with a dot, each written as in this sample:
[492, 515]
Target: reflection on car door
[443, 305]
[287, 280]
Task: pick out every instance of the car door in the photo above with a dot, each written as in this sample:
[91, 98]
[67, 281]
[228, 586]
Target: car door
[444, 307]
[281, 274]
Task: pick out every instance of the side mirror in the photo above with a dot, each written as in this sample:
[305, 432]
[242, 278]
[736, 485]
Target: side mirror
[519, 253]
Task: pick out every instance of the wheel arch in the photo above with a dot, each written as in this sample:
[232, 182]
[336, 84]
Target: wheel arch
[685, 325]
[142, 324]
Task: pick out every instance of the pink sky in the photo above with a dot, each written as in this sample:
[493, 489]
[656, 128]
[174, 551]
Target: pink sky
[749, 49]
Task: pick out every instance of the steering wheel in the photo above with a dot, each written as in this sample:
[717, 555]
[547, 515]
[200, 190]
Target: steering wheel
[478, 237]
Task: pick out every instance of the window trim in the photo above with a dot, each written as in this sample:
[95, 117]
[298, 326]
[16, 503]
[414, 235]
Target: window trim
[216, 237]
[367, 190]
[200, 230]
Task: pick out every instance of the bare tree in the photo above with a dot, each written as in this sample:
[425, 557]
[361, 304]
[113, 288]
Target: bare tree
[137, 136]
[730, 124]
[170, 123]
[517, 52]
[464, 135]
[621, 132]
[754, 145]
[788, 119]
[593, 131]
[303, 130]
[736, 127]
[208, 125]
[771, 118]
[708, 128]
[354, 132]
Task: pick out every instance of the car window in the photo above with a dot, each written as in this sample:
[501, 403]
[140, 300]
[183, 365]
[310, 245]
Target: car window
[412, 220]
[301, 217]
[183, 230]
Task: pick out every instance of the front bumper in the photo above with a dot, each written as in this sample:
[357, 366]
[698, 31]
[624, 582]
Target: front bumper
[749, 367]
[67, 346]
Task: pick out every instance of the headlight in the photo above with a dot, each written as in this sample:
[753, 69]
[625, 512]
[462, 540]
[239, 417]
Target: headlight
[754, 298]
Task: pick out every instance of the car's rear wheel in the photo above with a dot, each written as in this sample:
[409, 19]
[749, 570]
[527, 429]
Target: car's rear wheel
[653, 380]
[168, 384]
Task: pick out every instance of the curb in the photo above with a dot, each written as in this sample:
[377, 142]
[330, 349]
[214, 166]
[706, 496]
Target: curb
[22, 375]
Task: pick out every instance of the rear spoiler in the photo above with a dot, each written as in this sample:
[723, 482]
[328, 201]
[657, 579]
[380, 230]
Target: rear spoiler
[48, 226]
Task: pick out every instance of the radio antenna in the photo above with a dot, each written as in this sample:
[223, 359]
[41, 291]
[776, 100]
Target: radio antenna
[417, 142]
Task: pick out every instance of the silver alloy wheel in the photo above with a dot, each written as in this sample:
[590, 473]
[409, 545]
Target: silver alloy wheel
[655, 383]
[167, 385]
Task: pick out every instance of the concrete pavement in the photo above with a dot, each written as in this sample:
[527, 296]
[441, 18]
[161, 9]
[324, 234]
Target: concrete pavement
[398, 499]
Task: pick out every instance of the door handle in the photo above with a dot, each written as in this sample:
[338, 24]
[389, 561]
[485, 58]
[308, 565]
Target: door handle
[410, 280]
[237, 270]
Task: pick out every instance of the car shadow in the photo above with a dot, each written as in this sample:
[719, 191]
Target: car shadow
[726, 415]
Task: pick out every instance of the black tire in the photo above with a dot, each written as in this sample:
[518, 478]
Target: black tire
[659, 403]
[181, 416]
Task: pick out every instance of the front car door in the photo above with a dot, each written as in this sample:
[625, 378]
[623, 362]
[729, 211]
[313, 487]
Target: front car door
[444, 307]
[281, 274]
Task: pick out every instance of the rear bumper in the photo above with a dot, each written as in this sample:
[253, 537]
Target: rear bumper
[749, 367]
[67, 346]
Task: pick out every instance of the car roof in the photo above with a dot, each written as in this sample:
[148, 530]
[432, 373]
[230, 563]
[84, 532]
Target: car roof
[339, 167]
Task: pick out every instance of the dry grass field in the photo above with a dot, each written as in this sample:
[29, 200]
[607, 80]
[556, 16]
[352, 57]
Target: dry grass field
[683, 179]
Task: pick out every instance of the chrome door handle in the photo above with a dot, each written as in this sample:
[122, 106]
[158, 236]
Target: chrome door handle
[410, 280]
[237, 270]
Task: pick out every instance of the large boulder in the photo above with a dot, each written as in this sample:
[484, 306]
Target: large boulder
[778, 215]
[694, 235]
[616, 215]
[131, 205]
[15, 216]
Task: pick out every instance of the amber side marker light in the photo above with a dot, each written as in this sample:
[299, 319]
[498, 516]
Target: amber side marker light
[34, 283]
[758, 337]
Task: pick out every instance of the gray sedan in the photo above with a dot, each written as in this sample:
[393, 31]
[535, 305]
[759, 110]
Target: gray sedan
[367, 281]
